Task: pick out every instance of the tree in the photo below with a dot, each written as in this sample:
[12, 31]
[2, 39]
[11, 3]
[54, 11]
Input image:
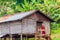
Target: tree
[7, 7]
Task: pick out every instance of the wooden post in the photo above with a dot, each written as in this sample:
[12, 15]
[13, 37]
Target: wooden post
[0, 38]
[21, 36]
[5, 38]
[26, 37]
[10, 36]
[40, 34]
[35, 36]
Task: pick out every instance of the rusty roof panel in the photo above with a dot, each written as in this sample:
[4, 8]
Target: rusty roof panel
[17, 16]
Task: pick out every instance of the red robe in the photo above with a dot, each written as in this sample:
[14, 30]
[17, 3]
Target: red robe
[43, 29]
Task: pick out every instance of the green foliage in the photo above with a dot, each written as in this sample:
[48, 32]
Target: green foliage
[56, 39]
[6, 7]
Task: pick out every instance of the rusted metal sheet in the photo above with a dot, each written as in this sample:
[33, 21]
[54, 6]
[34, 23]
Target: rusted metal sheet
[17, 16]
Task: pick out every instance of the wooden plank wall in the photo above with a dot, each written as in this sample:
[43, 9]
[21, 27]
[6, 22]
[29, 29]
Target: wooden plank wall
[46, 23]
[27, 26]
[47, 26]
[15, 27]
[4, 28]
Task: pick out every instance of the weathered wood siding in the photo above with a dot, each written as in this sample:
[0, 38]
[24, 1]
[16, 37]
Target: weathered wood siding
[25, 26]
[4, 28]
[0, 28]
[47, 26]
[15, 27]
[46, 23]
[29, 26]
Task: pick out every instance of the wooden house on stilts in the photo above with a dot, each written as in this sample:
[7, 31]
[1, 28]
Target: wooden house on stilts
[25, 25]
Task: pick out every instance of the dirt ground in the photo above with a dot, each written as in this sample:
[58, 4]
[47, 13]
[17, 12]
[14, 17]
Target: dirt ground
[55, 36]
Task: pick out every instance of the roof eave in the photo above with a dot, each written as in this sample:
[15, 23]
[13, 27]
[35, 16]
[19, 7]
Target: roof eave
[37, 11]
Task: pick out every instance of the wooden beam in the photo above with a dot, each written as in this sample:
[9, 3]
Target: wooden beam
[35, 36]
[0, 38]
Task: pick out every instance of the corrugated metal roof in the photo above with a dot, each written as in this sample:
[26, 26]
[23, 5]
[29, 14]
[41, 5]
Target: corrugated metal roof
[19, 16]
[1, 35]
